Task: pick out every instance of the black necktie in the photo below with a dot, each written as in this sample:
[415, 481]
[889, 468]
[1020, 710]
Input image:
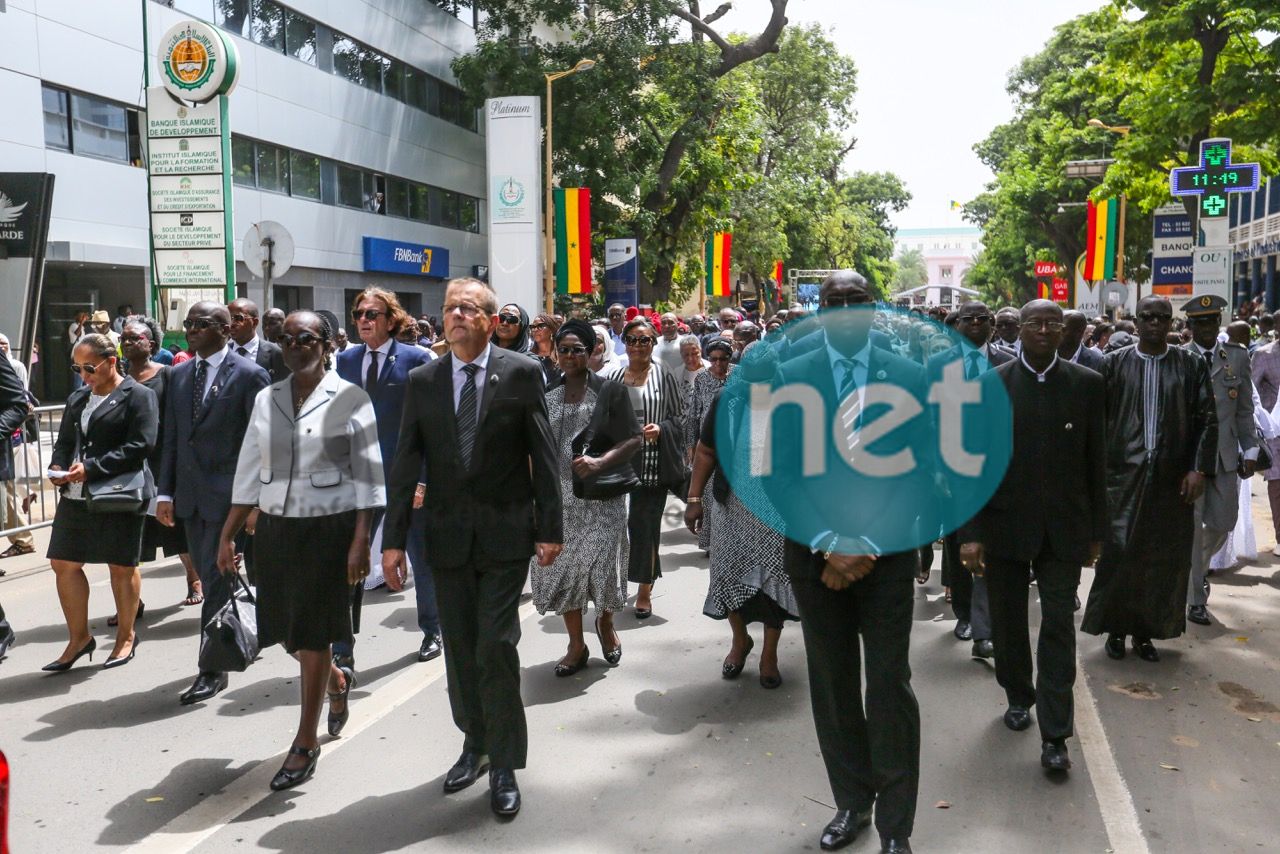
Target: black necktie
[1208, 361]
[197, 388]
[371, 376]
[466, 415]
[243, 352]
[972, 371]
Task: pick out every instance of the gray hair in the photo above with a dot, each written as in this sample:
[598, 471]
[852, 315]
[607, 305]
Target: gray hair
[690, 340]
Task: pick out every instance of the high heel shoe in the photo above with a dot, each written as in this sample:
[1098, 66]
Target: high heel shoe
[613, 656]
[338, 721]
[563, 669]
[121, 661]
[770, 682]
[114, 619]
[733, 671]
[287, 779]
[60, 666]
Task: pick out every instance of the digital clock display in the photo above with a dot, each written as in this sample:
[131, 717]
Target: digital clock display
[1214, 177]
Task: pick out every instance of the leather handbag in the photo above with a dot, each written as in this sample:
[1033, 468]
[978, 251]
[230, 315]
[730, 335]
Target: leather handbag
[121, 493]
[673, 473]
[229, 641]
[611, 483]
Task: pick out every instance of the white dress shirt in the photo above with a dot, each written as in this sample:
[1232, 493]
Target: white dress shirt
[215, 361]
[460, 376]
[251, 349]
[862, 364]
[383, 350]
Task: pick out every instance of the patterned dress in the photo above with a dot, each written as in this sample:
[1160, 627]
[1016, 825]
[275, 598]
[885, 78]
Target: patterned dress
[592, 567]
[702, 394]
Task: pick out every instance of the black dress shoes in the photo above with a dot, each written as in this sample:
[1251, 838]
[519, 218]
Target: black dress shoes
[1017, 718]
[842, 829]
[287, 779]
[984, 649]
[431, 648]
[1146, 650]
[963, 631]
[504, 794]
[889, 845]
[205, 686]
[465, 771]
[1199, 614]
[6, 641]
[1115, 646]
[1054, 757]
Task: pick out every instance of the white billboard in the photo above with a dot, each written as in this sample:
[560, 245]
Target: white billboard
[513, 136]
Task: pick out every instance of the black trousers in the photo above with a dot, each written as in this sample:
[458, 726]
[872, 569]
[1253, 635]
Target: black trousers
[968, 594]
[644, 528]
[1007, 585]
[481, 628]
[202, 541]
[872, 752]
[4, 624]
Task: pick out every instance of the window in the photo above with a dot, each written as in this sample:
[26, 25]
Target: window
[300, 38]
[415, 88]
[397, 198]
[393, 79]
[450, 103]
[449, 205]
[99, 128]
[350, 191]
[242, 162]
[273, 168]
[361, 65]
[267, 28]
[419, 203]
[304, 175]
[944, 273]
[469, 214]
[57, 118]
[375, 193]
[233, 16]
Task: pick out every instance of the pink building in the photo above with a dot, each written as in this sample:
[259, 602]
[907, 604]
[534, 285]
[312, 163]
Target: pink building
[948, 253]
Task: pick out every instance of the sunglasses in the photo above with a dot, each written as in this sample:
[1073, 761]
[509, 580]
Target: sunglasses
[579, 350]
[718, 359]
[88, 369]
[540, 326]
[637, 340]
[837, 301]
[1154, 317]
[509, 319]
[199, 324]
[302, 339]
[240, 318]
[367, 314]
[1043, 325]
[975, 319]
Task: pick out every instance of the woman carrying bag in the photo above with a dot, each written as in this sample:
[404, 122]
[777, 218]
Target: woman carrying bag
[597, 434]
[311, 465]
[107, 432]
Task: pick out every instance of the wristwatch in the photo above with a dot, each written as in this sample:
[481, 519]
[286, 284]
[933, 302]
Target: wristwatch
[831, 547]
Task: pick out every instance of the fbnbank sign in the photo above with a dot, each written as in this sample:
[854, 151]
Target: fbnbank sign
[407, 259]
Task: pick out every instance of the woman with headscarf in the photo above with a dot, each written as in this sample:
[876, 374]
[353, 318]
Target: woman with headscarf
[592, 568]
[512, 331]
[748, 583]
[706, 386]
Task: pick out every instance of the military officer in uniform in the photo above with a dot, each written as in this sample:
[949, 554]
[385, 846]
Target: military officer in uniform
[1232, 380]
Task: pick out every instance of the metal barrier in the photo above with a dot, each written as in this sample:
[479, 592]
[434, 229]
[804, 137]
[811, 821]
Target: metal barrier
[30, 488]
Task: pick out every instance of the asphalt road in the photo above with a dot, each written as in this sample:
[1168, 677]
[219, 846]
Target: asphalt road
[657, 754]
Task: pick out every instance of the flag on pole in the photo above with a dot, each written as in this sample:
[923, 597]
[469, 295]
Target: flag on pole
[573, 240]
[1101, 244]
[956, 206]
[717, 264]
[773, 287]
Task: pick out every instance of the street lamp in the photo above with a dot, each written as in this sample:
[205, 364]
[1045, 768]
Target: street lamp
[1123, 130]
[548, 284]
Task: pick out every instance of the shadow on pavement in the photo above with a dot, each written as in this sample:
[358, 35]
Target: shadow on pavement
[145, 811]
[120, 712]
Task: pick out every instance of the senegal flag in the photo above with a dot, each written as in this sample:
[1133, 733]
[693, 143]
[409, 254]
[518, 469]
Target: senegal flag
[1101, 242]
[717, 264]
[573, 240]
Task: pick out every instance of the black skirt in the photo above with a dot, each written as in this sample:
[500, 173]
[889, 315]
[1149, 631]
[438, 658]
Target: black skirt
[160, 539]
[300, 564]
[82, 537]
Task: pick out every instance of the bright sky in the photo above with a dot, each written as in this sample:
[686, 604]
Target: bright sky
[931, 78]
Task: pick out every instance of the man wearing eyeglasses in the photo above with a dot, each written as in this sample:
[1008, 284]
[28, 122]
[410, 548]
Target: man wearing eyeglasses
[206, 412]
[1218, 509]
[247, 344]
[969, 600]
[1006, 325]
[617, 322]
[1162, 432]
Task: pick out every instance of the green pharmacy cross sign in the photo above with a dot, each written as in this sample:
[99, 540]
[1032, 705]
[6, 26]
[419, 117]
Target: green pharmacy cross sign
[1215, 177]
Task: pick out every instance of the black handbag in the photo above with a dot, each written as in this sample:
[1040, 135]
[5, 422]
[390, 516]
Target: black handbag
[121, 493]
[229, 641]
[611, 483]
[673, 473]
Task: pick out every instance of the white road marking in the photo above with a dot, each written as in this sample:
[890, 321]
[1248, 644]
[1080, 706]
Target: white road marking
[187, 831]
[1115, 802]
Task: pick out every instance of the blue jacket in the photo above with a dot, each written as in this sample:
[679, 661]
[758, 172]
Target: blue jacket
[388, 397]
[198, 463]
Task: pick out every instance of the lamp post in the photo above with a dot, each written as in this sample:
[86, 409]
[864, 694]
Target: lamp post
[1122, 130]
[549, 283]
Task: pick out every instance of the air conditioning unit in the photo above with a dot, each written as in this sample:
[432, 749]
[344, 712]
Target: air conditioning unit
[175, 313]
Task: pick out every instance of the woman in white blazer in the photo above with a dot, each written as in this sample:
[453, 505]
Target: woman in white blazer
[310, 464]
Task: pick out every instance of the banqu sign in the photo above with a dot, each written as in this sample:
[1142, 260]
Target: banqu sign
[197, 62]
[23, 209]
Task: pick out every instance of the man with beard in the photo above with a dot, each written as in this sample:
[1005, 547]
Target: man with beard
[1162, 432]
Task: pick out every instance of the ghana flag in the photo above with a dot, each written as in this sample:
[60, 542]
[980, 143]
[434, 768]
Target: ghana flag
[573, 240]
[717, 264]
[1100, 242]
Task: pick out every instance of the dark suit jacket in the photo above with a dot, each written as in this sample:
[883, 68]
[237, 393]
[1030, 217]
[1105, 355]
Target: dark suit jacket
[1091, 359]
[388, 397]
[789, 349]
[198, 461]
[815, 505]
[1054, 490]
[509, 497]
[121, 435]
[269, 357]
[13, 411]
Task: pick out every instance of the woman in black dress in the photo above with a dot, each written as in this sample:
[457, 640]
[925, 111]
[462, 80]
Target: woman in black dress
[311, 466]
[108, 430]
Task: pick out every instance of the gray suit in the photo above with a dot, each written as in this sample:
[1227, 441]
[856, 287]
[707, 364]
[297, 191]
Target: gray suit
[1219, 508]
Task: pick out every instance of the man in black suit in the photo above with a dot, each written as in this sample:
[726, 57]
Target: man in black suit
[13, 411]
[1072, 349]
[1049, 515]
[477, 418]
[247, 344]
[207, 409]
[969, 600]
[855, 597]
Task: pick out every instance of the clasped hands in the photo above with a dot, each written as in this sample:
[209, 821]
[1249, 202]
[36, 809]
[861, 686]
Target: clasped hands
[841, 570]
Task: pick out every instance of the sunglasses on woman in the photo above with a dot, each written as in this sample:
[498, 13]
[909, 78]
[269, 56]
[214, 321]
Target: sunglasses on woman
[540, 326]
[302, 339]
[566, 350]
[88, 369]
[509, 319]
[366, 314]
[637, 340]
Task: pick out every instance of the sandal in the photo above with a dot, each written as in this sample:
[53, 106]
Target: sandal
[195, 594]
[338, 721]
[17, 550]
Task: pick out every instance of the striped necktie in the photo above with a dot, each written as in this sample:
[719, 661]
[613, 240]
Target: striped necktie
[197, 388]
[467, 415]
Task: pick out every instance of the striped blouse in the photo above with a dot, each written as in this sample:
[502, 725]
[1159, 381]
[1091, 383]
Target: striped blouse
[661, 402]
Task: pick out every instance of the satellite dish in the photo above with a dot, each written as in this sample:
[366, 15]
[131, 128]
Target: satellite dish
[268, 241]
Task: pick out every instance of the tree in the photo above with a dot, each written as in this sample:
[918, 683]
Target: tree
[910, 271]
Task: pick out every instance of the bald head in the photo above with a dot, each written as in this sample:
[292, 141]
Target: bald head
[1239, 332]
